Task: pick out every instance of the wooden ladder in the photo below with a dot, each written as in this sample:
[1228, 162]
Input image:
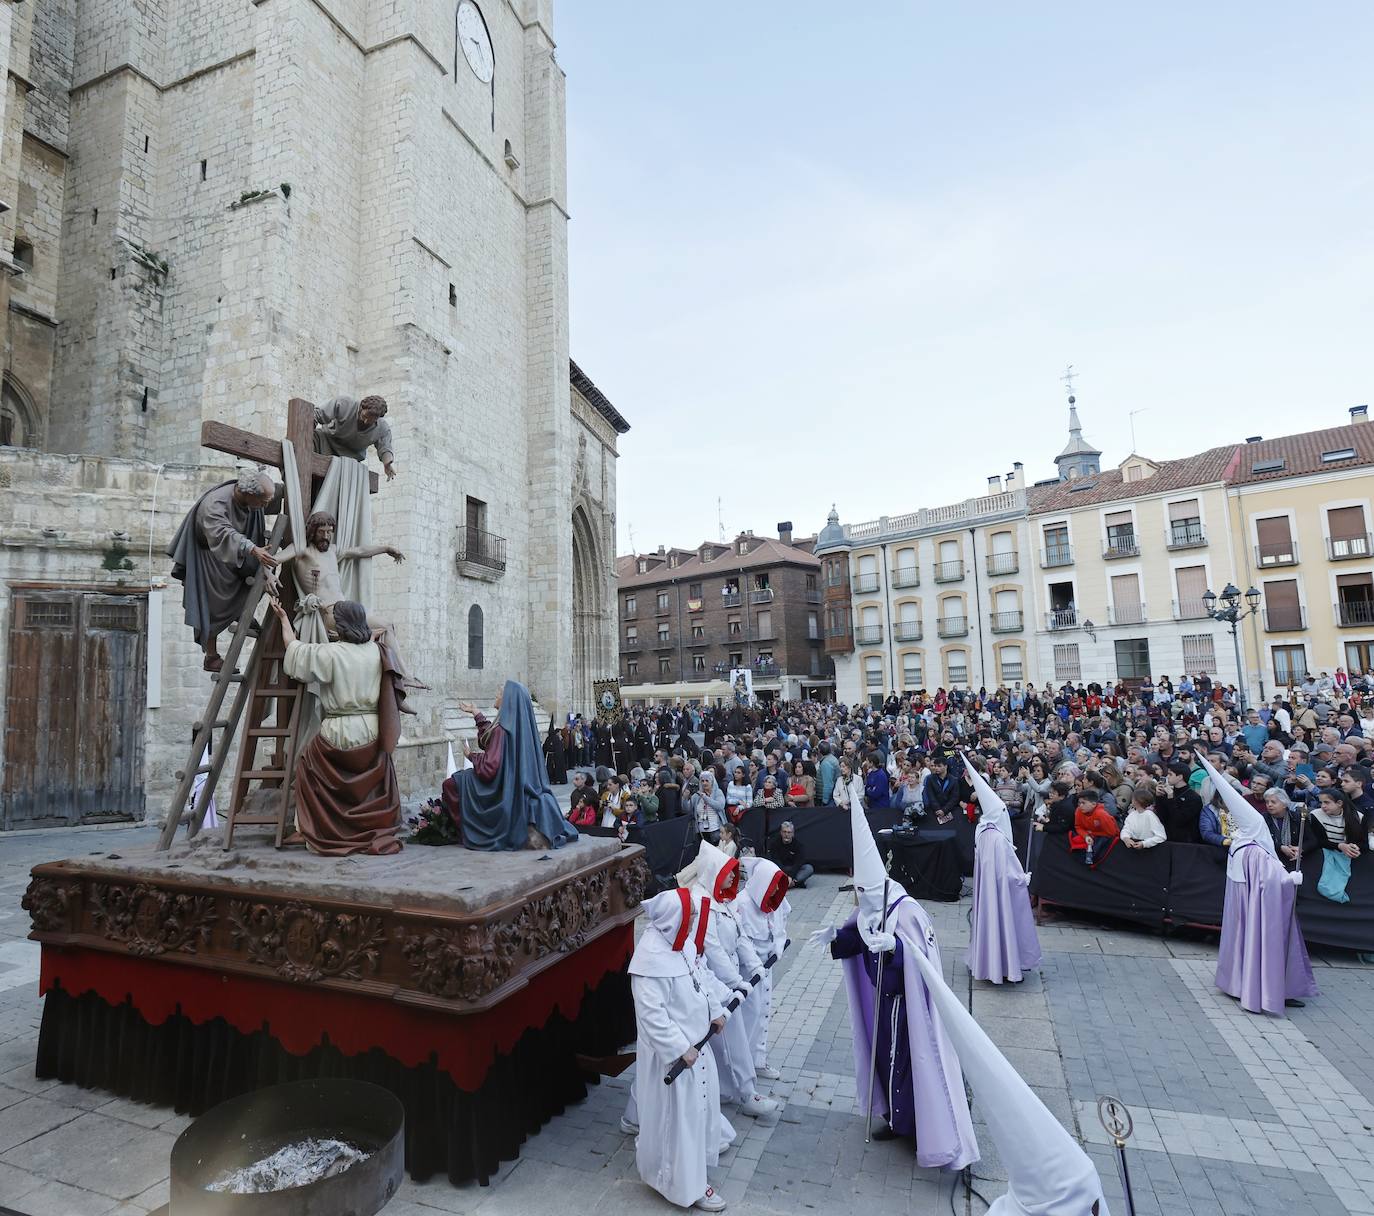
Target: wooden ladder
[275, 694]
[180, 812]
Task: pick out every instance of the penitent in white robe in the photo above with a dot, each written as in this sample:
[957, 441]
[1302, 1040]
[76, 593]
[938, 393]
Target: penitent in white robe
[766, 932]
[349, 676]
[733, 962]
[679, 1124]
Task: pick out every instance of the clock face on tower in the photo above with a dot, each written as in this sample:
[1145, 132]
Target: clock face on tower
[475, 41]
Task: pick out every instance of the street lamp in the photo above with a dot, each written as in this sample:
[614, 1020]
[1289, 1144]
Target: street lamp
[1229, 613]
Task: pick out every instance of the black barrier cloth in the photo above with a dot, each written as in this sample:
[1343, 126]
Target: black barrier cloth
[86, 1042]
[1185, 884]
[926, 864]
[822, 832]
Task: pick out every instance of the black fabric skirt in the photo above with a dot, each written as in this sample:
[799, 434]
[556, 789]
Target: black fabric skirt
[86, 1041]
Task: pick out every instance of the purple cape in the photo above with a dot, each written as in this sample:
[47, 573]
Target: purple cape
[1002, 943]
[1263, 959]
[944, 1130]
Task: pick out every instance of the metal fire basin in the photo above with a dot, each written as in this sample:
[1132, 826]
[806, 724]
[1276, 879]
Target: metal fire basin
[244, 1129]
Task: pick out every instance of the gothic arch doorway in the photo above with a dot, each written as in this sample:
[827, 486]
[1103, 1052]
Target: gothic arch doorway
[18, 418]
[588, 644]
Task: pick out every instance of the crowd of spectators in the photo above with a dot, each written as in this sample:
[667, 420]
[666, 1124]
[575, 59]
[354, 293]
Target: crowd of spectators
[1102, 764]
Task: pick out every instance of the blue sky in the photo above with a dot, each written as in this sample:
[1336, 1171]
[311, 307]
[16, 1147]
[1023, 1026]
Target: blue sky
[842, 252]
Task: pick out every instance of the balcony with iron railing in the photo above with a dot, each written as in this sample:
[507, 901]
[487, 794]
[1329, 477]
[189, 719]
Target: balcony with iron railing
[763, 669]
[730, 599]
[908, 631]
[1061, 618]
[949, 572]
[1056, 555]
[733, 637]
[865, 584]
[1012, 672]
[629, 610]
[663, 608]
[1190, 610]
[1004, 563]
[868, 635]
[1354, 612]
[1291, 618]
[761, 595]
[631, 644]
[1185, 534]
[952, 626]
[1006, 622]
[664, 641]
[696, 676]
[1347, 548]
[906, 576]
[813, 596]
[1127, 614]
[480, 553]
[1277, 553]
[1123, 544]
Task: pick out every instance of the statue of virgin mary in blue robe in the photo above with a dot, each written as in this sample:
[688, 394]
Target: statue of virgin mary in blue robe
[506, 791]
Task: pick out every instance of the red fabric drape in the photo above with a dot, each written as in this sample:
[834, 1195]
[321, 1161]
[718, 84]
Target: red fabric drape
[300, 1017]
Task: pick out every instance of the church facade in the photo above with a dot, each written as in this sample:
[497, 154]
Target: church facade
[211, 208]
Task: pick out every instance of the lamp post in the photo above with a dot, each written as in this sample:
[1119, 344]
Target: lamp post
[1229, 612]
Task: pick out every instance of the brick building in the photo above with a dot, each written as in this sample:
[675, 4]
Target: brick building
[687, 617]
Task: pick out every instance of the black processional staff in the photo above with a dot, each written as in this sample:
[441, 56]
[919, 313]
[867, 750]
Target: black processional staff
[681, 1066]
[877, 1011]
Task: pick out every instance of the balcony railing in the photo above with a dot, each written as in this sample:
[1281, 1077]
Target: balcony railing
[1006, 622]
[1354, 612]
[1127, 614]
[1061, 618]
[951, 626]
[629, 611]
[949, 572]
[868, 635]
[1122, 545]
[1277, 553]
[733, 637]
[1003, 563]
[664, 641]
[865, 584]
[1185, 536]
[906, 576]
[730, 599]
[695, 676]
[1344, 548]
[1285, 620]
[631, 644]
[1056, 555]
[1012, 672]
[813, 597]
[479, 548]
[763, 669]
[1190, 610]
[663, 609]
[761, 595]
[907, 631]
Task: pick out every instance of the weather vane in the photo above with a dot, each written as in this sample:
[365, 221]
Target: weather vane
[1067, 378]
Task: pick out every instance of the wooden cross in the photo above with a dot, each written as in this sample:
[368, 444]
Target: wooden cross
[300, 429]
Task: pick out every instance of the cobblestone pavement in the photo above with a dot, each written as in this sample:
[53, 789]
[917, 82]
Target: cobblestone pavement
[1234, 1115]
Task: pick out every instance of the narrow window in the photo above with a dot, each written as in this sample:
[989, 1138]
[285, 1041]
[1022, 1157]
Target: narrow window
[475, 638]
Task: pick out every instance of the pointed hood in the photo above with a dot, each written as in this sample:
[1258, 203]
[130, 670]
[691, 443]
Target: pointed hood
[765, 892]
[870, 875]
[1247, 824]
[717, 874]
[994, 809]
[1048, 1173]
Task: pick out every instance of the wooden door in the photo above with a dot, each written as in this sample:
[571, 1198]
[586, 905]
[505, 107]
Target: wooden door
[74, 708]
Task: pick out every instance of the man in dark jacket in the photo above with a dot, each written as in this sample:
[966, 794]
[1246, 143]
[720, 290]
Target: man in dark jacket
[1178, 807]
[785, 853]
[941, 790]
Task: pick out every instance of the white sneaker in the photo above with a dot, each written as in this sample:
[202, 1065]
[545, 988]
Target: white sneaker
[630, 1129]
[766, 1072]
[757, 1106]
[712, 1201]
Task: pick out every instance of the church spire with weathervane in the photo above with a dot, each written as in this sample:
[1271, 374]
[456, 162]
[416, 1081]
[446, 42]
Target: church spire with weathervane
[1079, 458]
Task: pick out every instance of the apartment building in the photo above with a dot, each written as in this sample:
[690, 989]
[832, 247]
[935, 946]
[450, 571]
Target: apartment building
[688, 617]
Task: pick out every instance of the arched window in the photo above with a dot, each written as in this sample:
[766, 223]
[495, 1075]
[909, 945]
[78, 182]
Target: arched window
[475, 637]
[17, 423]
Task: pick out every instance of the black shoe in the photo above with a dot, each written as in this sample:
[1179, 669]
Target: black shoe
[885, 1133]
[1293, 1003]
[800, 884]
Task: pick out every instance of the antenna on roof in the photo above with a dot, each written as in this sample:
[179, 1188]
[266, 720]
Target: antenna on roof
[720, 521]
[1141, 410]
[1067, 378]
[631, 529]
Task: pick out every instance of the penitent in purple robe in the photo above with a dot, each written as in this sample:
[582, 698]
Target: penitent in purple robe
[917, 1065]
[1003, 942]
[1263, 959]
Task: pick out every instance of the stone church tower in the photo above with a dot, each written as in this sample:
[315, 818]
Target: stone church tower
[212, 206]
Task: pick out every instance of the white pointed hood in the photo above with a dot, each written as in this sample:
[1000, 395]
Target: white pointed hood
[870, 875]
[1247, 824]
[994, 809]
[1048, 1173]
[765, 891]
[662, 949]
